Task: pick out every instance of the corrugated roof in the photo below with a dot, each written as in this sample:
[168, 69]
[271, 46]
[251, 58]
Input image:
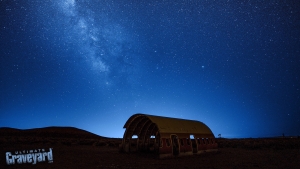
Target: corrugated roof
[173, 125]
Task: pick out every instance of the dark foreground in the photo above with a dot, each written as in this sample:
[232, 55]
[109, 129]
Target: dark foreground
[74, 148]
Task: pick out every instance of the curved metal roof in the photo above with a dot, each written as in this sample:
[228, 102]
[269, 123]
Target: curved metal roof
[170, 125]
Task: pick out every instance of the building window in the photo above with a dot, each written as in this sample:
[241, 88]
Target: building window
[134, 136]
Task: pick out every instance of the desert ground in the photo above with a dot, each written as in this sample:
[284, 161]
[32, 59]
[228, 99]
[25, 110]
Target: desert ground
[75, 148]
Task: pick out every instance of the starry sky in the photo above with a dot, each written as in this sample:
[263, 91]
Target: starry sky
[232, 64]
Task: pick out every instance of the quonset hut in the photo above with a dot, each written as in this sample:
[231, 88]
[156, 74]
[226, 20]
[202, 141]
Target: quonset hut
[168, 137]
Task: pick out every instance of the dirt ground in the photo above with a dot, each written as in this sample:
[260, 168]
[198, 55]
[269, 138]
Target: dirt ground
[74, 148]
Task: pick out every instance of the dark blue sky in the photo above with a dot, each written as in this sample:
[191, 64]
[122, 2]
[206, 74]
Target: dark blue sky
[233, 65]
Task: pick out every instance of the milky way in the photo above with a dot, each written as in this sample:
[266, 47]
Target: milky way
[105, 45]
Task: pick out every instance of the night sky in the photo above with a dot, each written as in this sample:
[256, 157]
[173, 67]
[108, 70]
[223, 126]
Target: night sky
[232, 64]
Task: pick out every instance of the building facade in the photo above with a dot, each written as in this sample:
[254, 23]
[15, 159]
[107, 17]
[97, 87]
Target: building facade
[168, 137]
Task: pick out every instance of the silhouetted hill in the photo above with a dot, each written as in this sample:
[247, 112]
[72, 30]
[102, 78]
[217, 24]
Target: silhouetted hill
[53, 132]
